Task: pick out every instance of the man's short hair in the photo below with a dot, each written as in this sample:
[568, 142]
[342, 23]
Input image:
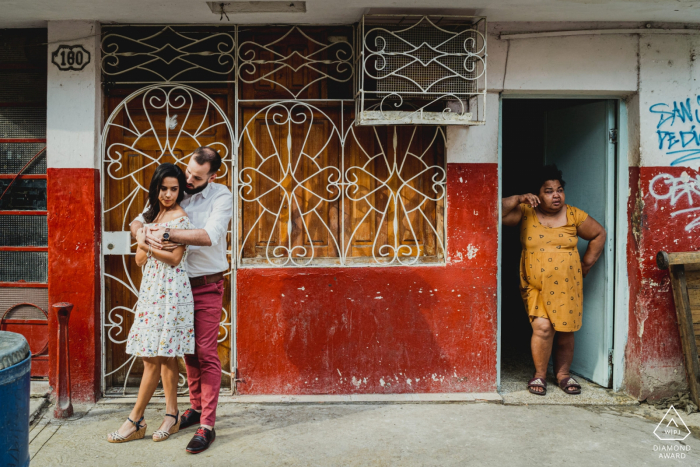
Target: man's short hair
[205, 155]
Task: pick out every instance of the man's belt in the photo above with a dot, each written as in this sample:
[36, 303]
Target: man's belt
[204, 280]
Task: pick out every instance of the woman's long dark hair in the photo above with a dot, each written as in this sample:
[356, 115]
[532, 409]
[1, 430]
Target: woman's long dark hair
[164, 170]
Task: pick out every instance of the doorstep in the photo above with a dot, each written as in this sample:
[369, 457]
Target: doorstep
[492, 397]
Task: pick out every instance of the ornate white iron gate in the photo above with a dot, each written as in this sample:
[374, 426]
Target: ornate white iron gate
[155, 124]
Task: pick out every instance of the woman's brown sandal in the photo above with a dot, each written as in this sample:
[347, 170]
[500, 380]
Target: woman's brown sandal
[138, 434]
[570, 386]
[162, 435]
[537, 383]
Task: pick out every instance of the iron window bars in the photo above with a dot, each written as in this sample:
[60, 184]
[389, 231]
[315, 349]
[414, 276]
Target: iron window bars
[415, 69]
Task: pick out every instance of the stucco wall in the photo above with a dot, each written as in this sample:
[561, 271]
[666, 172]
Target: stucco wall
[74, 106]
[669, 152]
[657, 77]
[650, 72]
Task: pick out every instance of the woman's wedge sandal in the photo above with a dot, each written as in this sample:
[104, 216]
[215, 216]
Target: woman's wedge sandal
[537, 383]
[570, 386]
[162, 435]
[138, 434]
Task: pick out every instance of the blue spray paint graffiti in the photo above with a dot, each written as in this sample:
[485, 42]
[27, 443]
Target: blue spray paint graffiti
[678, 129]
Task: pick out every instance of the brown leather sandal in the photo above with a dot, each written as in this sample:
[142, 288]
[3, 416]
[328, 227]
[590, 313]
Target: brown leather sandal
[570, 386]
[537, 383]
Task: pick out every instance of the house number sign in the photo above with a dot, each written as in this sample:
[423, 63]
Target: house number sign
[70, 57]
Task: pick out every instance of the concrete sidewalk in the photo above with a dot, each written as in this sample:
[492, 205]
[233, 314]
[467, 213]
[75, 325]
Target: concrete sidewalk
[375, 434]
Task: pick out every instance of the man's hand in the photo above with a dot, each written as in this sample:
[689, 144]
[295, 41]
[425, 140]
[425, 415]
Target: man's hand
[154, 237]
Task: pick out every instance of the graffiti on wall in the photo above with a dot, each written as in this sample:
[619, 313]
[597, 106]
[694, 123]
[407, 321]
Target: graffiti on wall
[678, 136]
[678, 130]
[685, 189]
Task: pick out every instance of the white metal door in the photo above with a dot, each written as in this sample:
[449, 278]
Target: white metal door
[578, 141]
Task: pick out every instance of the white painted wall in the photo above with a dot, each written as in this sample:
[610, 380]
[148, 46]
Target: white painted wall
[476, 144]
[74, 99]
[669, 77]
[665, 72]
[592, 64]
[575, 66]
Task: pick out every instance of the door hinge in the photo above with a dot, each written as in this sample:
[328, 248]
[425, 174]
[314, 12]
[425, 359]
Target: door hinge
[612, 135]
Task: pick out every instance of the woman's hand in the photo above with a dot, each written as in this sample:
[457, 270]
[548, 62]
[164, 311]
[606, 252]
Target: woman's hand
[141, 237]
[529, 198]
[592, 231]
[585, 268]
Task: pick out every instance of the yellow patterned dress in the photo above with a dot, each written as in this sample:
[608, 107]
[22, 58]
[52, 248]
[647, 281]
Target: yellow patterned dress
[551, 283]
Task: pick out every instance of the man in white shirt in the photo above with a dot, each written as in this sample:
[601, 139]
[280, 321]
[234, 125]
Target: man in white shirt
[209, 206]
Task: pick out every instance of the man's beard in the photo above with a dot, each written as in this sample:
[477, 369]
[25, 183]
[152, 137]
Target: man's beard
[194, 191]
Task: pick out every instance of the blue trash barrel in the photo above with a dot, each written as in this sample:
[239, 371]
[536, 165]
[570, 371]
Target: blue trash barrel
[15, 365]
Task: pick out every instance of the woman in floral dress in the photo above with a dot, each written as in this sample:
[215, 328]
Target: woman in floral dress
[163, 326]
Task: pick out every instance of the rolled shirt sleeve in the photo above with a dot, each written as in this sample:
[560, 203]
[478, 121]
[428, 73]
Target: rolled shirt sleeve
[221, 214]
[140, 217]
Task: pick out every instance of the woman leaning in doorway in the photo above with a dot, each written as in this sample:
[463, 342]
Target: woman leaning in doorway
[551, 272]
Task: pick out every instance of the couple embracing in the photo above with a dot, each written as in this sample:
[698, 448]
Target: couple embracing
[181, 239]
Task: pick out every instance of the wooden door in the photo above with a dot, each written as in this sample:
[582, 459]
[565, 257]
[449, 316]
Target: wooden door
[165, 124]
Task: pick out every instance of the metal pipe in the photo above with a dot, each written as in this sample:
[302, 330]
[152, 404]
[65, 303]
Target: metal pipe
[595, 32]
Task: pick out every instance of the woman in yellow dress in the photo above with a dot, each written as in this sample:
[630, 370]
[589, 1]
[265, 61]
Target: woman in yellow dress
[551, 272]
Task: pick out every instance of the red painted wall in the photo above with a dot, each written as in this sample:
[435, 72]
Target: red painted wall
[653, 357]
[74, 226]
[434, 329]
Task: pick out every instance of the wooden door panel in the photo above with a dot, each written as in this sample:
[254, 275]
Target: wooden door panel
[289, 202]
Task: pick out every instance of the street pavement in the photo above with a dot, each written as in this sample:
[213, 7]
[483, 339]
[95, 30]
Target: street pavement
[378, 434]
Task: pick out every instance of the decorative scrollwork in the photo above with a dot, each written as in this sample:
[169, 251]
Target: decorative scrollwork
[169, 55]
[439, 70]
[327, 61]
[404, 201]
[450, 54]
[151, 126]
[289, 190]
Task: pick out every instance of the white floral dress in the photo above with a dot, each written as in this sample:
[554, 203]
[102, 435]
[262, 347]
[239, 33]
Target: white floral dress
[164, 319]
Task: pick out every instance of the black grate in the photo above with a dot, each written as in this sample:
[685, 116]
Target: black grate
[26, 47]
[23, 231]
[23, 86]
[23, 122]
[28, 266]
[23, 195]
[187, 53]
[13, 156]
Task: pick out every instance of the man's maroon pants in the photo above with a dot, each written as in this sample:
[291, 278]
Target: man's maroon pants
[204, 366]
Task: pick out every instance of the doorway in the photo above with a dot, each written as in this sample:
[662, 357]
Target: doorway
[579, 135]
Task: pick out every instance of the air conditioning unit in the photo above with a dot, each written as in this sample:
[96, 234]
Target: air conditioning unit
[421, 70]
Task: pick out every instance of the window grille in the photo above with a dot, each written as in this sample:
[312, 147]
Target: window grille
[421, 70]
[23, 226]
